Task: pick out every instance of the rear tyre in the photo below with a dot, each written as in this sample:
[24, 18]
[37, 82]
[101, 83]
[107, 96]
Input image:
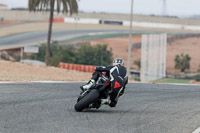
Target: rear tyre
[87, 100]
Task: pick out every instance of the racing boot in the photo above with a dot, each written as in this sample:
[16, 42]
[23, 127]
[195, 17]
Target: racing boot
[113, 104]
[106, 101]
[109, 102]
[88, 85]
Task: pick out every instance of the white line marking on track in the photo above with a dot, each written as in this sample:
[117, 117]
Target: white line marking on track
[197, 130]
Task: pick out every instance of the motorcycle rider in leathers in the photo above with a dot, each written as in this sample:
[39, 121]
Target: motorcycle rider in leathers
[118, 78]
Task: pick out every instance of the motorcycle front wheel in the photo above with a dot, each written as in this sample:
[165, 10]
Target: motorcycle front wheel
[91, 97]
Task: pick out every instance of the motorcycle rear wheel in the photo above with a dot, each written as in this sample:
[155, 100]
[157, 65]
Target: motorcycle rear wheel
[91, 97]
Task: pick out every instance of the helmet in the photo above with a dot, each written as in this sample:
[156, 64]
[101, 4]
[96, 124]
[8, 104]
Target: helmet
[118, 61]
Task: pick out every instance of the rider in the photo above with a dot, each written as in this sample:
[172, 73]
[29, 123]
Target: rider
[118, 78]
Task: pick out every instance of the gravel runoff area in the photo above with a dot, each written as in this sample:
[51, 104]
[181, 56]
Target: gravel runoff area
[15, 71]
[21, 72]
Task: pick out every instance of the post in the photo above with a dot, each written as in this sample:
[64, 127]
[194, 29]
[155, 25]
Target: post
[22, 54]
[130, 39]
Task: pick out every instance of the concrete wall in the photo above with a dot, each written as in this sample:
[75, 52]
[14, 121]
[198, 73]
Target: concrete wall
[23, 15]
[43, 16]
[3, 7]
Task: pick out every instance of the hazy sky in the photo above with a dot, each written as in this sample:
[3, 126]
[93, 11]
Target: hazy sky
[174, 7]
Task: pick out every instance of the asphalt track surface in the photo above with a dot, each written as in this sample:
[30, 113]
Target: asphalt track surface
[38, 37]
[32, 38]
[144, 108]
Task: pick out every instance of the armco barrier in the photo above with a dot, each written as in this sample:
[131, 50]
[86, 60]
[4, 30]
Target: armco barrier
[62, 65]
[90, 69]
[77, 67]
[71, 67]
[82, 68]
[87, 68]
[66, 65]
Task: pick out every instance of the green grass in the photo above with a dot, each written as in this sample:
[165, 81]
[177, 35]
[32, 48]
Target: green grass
[2, 37]
[171, 80]
[106, 35]
[98, 36]
[102, 36]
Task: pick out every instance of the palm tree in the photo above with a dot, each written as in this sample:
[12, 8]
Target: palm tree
[44, 5]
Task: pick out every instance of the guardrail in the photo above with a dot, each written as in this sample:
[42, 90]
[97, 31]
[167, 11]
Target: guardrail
[77, 67]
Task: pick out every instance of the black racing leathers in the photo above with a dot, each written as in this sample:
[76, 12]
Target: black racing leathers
[118, 78]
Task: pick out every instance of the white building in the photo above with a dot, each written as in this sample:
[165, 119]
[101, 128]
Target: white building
[3, 7]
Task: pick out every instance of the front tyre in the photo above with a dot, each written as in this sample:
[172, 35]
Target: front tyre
[87, 100]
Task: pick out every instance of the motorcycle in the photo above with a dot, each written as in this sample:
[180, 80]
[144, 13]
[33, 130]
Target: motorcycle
[91, 98]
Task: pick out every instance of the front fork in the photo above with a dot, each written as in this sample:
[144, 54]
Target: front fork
[83, 94]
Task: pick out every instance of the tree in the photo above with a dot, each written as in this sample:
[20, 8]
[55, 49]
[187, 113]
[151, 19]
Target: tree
[182, 62]
[94, 55]
[41, 54]
[41, 5]
[138, 63]
[198, 69]
[85, 54]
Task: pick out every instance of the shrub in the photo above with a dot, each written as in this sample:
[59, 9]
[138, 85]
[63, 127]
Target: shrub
[84, 54]
[138, 63]
[198, 69]
[182, 62]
